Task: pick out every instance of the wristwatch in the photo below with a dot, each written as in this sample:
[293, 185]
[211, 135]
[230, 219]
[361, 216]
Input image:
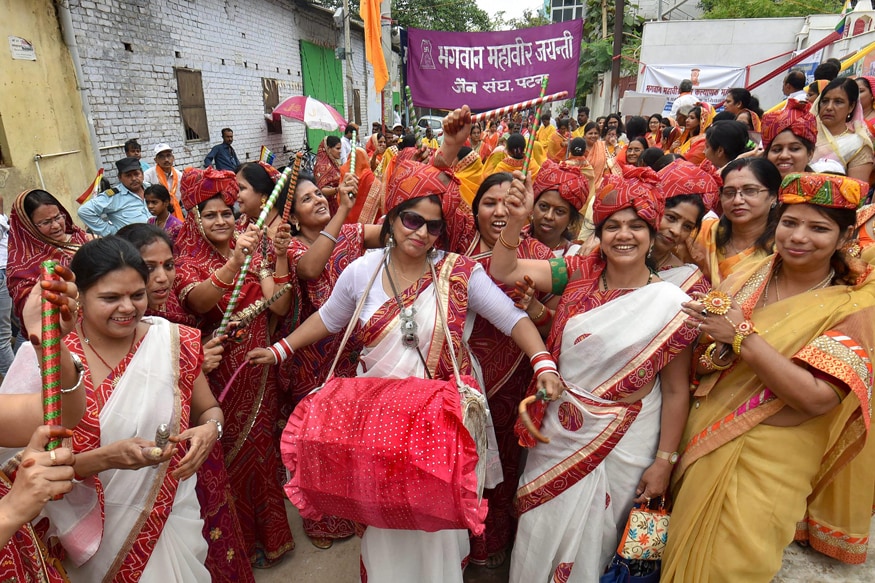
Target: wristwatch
[669, 456]
[218, 425]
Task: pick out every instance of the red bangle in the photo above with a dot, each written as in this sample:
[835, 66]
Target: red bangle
[218, 283]
[281, 350]
[282, 278]
[544, 319]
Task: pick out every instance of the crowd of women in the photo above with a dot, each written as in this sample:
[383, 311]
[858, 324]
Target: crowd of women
[693, 312]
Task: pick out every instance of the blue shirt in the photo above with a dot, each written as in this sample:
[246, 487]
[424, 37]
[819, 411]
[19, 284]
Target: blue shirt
[107, 212]
[222, 157]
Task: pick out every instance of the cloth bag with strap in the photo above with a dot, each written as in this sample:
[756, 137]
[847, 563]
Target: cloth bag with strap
[391, 453]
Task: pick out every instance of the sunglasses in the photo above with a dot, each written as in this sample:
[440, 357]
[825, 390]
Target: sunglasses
[414, 222]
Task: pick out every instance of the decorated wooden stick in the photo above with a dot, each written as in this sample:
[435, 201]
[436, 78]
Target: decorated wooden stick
[493, 113]
[352, 160]
[293, 183]
[51, 361]
[238, 286]
[531, 145]
[411, 114]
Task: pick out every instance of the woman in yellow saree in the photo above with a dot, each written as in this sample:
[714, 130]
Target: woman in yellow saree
[774, 443]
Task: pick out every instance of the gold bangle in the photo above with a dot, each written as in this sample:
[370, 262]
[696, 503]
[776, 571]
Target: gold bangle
[708, 361]
[540, 314]
[507, 245]
[742, 331]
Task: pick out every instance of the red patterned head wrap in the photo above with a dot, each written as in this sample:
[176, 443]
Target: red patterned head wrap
[572, 186]
[796, 117]
[271, 171]
[638, 190]
[828, 190]
[682, 177]
[414, 180]
[200, 185]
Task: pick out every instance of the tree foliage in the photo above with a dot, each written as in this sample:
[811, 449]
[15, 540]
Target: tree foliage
[715, 9]
[528, 19]
[597, 50]
[452, 15]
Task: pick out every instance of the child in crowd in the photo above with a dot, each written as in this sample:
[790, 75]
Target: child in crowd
[158, 203]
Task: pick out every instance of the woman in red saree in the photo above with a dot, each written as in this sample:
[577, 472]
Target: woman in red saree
[327, 169]
[208, 260]
[40, 228]
[322, 247]
[506, 373]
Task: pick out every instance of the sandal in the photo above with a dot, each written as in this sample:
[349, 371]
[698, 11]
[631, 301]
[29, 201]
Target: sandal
[322, 543]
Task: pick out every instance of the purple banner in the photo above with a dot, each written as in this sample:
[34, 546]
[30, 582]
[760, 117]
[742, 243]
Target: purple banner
[486, 70]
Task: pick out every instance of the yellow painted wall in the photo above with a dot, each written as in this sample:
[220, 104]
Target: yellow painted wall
[40, 108]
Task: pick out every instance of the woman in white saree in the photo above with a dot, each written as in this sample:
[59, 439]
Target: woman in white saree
[623, 351]
[139, 374]
[412, 343]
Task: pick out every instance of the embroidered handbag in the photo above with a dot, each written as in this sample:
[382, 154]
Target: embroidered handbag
[646, 533]
[391, 453]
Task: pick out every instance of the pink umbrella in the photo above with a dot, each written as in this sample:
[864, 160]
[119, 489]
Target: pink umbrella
[314, 113]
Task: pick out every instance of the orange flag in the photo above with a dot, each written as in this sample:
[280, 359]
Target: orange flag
[370, 13]
[95, 187]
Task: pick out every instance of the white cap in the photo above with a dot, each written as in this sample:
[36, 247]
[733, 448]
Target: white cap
[828, 166]
[162, 147]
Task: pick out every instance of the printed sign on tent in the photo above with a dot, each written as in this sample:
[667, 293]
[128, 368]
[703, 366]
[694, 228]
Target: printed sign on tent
[486, 70]
[710, 83]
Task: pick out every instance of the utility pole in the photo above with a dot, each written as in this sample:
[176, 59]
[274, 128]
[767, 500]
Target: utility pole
[619, 5]
[350, 101]
[386, 38]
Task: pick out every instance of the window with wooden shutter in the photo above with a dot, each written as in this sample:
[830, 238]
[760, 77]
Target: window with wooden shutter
[190, 90]
[271, 95]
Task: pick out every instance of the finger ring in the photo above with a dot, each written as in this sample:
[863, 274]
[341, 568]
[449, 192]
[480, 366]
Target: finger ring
[53, 456]
[155, 453]
[246, 250]
[699, 326]
[647, 498]
[704, 313]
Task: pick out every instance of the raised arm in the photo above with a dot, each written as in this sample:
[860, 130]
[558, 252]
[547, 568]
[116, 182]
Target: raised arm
[506, 267]
[312, 263]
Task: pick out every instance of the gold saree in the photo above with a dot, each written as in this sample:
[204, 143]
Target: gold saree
[743, 489]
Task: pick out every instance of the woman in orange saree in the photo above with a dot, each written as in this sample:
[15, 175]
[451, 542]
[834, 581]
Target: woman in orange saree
[746, 228]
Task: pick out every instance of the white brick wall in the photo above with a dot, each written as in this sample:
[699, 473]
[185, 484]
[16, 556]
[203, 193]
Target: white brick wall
[133, 94]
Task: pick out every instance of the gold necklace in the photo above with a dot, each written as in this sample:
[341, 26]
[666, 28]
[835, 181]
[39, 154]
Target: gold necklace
[605, 279]
[819, 285]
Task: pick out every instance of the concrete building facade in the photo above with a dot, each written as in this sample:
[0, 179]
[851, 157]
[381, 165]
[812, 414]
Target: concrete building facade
[173, 71]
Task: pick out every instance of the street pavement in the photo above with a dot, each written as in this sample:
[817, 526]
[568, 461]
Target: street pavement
[340, 564]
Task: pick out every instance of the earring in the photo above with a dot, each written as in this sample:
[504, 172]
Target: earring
[774, 204]
[602, 254]
[390, 242]
[650, 252]
[263, 202]
[432, 254]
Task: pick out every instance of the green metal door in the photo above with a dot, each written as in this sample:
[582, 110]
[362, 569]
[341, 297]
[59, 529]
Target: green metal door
[323, 80]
